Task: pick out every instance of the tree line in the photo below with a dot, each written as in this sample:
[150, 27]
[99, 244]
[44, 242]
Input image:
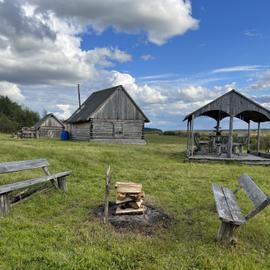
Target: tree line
[14, 116]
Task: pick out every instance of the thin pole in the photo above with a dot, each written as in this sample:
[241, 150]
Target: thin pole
[258, 138]
[230, 140]
[107, 192]
[248, 142]
[188, 137]
[79, 95]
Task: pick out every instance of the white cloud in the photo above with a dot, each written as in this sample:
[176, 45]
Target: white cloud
[147, 57]
[237, 69]
[65, 111]
[195, 93]
[262, 81]
[105, 56]
[141, 93]
[37, 47]
[159, 19]
[252, 33]
[12, 91]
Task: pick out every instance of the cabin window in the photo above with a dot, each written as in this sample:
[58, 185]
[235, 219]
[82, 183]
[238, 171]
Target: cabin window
[118, 130]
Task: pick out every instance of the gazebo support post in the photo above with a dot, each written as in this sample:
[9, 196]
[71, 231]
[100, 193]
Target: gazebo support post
[230, 139]
[258, 138]
[218, 123]
[192, 133]
[188, 139]
[248, 140]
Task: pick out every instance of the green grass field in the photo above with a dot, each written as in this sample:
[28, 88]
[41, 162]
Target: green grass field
[54, 230]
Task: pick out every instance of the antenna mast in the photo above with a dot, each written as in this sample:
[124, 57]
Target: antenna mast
[79, 95]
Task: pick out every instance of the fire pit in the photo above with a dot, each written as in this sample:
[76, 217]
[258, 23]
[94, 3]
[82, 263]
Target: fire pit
[130, 211]
[146, 222]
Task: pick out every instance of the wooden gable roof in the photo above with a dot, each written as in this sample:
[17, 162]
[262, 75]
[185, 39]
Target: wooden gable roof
[41, 121]
[233, 104]
[95, 102]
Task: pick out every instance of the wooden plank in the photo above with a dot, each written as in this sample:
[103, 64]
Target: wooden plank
[4, 205]
[233, 206]
[15, 166]
[221, 204]
[128, 187]
[30, 182]
[255, 194]
[120, 211]
[225, 232]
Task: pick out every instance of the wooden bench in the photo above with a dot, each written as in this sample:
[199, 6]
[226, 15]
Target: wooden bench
[57, 179]
[229, 211]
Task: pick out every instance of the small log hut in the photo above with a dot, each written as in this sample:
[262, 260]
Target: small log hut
[49, 127]
[233, 105]
[108, 115]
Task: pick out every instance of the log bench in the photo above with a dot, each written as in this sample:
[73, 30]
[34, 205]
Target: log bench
[58, 180]
[229, 211]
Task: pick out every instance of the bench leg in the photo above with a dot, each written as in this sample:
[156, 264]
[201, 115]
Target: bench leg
[4, 205]
[62, 183]
[225, 232]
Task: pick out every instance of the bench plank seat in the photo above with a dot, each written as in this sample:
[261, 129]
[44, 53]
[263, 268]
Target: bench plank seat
[16, 166]
[228, 209]
[22, 184]
[227, 206]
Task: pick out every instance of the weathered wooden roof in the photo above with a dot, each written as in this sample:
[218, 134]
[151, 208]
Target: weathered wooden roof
[233, 104]
[39, 123]
[94, 102]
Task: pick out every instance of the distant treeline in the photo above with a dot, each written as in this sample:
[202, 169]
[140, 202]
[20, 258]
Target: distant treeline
[179, 133]
[13, 116]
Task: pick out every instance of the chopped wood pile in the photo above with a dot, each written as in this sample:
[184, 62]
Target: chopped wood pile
[129, 198]
[26, 132]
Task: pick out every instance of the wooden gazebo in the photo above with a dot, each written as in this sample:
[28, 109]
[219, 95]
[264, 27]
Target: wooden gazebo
[232, 104]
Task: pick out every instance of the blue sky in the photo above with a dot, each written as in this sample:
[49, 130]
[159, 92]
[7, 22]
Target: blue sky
[172, 56]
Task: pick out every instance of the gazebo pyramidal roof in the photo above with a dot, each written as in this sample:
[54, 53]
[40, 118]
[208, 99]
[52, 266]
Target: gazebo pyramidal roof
[233, 104]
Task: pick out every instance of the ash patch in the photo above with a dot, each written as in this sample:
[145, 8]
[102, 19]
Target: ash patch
[146, 223]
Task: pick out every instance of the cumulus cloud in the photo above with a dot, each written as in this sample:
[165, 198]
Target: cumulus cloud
[262, 81]
[12, 91]
[65, 111]
[37, 47]
[142, 93]
[105, 56]
[159, 19]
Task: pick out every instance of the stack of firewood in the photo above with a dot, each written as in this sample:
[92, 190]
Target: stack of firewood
[129, 198]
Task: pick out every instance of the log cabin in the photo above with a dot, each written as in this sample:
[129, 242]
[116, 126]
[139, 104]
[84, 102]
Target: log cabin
[109, 115]
[49, 127]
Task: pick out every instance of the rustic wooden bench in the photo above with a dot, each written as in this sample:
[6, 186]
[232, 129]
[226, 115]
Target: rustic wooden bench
[229, 211]
[57, 179]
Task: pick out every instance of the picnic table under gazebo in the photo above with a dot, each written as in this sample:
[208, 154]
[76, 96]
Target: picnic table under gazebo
[224, 145]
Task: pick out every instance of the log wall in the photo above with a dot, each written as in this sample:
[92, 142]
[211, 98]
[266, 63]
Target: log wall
[107, 129]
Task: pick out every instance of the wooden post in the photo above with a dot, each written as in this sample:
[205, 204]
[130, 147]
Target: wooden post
[258, 138]
[188, 138]
[192, 134]
[225, 232]
[230, 139]
[248, 141]
[107, 192]
[62, 183]
[79, 95]
[4, 205]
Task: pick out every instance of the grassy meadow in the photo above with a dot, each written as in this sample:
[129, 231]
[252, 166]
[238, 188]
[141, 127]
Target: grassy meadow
[53, 230]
